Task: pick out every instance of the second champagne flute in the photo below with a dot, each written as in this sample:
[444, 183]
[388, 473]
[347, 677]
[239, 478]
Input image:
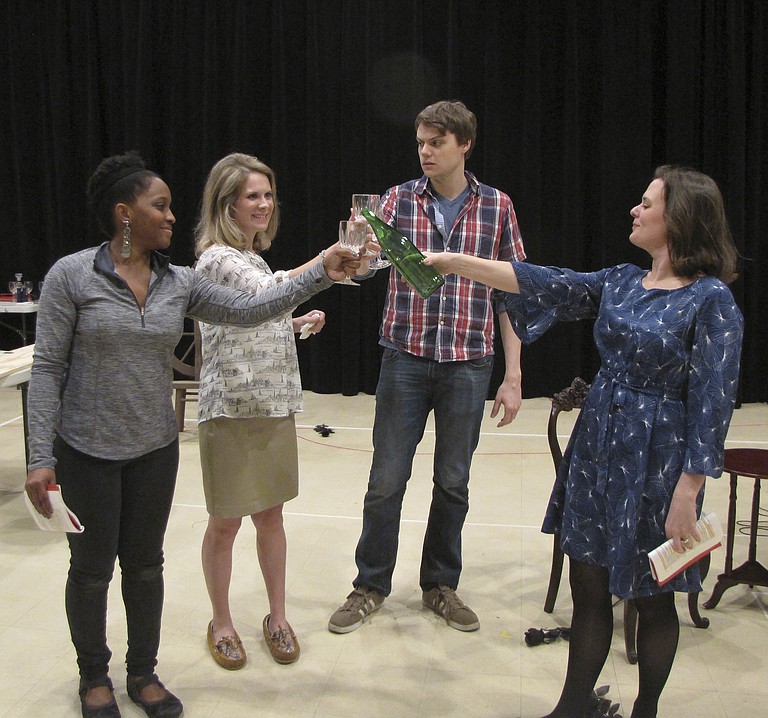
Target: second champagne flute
[371, 203]
[364, 201]
[352, 236]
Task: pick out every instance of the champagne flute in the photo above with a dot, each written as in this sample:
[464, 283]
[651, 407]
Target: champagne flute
[364, 201]
[352, 235]
[371, 203]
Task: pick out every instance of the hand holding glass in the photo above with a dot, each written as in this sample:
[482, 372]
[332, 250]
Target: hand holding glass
[352, 235]
[371, 203]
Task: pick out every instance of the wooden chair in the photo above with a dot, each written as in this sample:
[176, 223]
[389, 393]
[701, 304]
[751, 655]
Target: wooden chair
[187, 360]
[566, 400]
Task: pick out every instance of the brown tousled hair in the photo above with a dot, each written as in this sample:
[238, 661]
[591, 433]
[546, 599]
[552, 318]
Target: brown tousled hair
[699, 237]
[451, 116]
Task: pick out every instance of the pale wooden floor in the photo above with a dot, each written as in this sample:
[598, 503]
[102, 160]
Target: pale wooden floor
[405, 661]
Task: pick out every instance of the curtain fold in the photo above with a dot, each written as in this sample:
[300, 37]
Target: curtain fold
[577, 103]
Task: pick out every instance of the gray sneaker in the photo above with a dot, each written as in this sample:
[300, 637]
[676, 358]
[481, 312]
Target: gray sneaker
[355, 611]
[444, 602]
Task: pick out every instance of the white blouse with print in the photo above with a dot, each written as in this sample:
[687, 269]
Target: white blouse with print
[247, 371]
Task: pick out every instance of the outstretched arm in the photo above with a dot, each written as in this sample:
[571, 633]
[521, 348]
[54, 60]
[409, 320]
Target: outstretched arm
[491, 272]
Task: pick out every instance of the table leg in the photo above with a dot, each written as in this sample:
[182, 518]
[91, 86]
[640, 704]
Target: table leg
[693, 598]
[755, 517]
[21, 332]
[24, 418]
[724, 580]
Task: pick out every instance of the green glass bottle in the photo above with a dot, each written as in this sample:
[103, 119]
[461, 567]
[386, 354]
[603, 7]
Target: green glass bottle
[403, 254]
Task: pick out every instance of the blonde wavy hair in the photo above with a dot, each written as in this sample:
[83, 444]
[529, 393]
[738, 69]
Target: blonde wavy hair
[216, 225]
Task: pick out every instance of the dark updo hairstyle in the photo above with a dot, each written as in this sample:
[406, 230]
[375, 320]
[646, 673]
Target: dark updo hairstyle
[120, 178]
[699, 238]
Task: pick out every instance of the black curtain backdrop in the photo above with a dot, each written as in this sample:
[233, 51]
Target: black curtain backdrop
[577, 103]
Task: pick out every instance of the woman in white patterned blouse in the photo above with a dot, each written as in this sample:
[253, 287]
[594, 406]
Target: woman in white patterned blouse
[250, 390]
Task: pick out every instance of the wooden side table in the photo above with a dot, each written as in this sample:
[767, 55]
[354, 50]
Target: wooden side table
[752, 463]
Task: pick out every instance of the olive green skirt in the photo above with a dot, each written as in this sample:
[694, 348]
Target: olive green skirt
[249, 465]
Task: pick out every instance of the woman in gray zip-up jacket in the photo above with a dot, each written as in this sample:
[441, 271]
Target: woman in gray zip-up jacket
[101, 420]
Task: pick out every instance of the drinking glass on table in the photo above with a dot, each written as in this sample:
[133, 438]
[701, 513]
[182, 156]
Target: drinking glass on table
[16, 288]
[371, 203]
[352, 235]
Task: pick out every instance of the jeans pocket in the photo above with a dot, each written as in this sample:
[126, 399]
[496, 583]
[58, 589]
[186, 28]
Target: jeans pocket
[481, 362]
[389, 354]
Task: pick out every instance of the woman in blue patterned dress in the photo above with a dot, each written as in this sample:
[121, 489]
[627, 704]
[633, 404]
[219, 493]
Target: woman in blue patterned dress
[653, 425]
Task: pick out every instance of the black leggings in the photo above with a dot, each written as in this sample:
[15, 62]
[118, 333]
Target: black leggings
[590, 641]
[124, 507]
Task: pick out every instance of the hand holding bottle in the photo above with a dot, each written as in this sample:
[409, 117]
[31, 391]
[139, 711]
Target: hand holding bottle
[441, 261]
[406, 257]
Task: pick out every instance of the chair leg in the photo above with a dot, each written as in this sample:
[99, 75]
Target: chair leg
[180, 402]
[693, 598]
[554, 575]
[630, 630]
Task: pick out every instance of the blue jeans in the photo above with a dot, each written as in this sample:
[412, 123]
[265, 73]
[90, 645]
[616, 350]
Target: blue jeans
[409, 388]
[124, 507]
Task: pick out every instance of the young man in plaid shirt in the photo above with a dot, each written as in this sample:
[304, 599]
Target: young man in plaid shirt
[438, 356]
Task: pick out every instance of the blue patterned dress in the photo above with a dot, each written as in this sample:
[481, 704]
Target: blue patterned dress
[660, 404]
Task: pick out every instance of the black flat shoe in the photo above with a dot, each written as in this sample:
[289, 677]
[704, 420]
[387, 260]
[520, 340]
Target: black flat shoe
[110, 710]
[168, 707]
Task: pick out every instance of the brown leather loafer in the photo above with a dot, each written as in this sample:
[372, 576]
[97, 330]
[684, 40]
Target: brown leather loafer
[228, 651]
[282, 643]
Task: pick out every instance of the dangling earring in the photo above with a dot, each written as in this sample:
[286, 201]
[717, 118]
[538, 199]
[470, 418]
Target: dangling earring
[125, 250]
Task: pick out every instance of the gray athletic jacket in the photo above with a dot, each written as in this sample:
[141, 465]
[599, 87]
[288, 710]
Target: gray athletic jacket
[102, 376]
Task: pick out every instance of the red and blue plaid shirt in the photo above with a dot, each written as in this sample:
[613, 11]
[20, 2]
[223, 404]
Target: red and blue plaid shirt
[456, 322]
